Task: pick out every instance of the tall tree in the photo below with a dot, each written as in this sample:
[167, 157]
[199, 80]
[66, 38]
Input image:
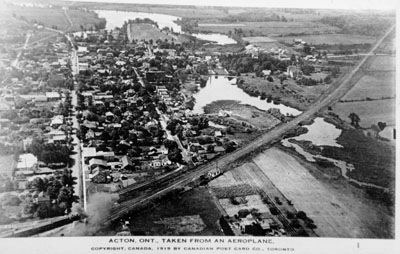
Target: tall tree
[355, 119]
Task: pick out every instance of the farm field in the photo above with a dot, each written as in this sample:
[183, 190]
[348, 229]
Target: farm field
[383, 63]
[271, 28]
[329, 39]
[258, 39]
[49, 17]
[332, 217]
[370, 112]
[376, 85]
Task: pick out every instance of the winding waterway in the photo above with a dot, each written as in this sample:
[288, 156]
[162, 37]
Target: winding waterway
[117, 19]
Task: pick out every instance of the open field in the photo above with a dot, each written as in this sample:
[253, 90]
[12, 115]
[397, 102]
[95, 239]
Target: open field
[259, 39]
[49, 17]
[79, 18]
[332, 217]
[194, 202]
[147, 32]
[374, 214]
[271, 28]
[55, 17]
[375, 86]
[383, 63]
[330, 39]
[370, 112]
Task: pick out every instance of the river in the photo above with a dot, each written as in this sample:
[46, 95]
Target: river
[221, 88]
[117, 19]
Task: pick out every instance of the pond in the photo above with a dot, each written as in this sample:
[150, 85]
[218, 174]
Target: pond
[221, 88]
[321, 133]
[117, 19]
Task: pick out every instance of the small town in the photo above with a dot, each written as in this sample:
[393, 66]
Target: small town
[126, 120]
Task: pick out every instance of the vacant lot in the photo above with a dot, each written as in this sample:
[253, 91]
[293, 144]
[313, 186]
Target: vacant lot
[329, 39]
[332, 217]
[370, 112]
[378, 85]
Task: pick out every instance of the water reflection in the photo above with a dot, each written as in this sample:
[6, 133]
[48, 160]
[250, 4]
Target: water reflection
[221, 88]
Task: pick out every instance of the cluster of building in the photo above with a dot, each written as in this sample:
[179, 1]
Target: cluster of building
[135, 122]
[34, 105]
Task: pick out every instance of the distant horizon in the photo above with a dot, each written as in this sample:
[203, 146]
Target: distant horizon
[307, 4]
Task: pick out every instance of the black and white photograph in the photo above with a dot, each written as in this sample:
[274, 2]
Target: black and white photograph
[148, 126]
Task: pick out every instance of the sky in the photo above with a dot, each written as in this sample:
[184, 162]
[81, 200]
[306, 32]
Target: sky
[325, 4]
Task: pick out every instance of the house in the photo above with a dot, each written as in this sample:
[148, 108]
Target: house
[160, 162]
[57, 121]
[94, 162]
[219, 149]
[27, 162]
[218, 134]
[294, 73]
[127, 163]
[266, 72]
[213, 173]
[53, 96]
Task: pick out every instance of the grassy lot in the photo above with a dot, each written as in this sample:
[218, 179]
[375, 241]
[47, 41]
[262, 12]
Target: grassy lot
[373, 160]
[329, 39]
[370, 112]
[377, 85]
[197, 201]
[147, 32]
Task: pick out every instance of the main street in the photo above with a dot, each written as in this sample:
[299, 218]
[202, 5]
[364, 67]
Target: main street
[344, 84]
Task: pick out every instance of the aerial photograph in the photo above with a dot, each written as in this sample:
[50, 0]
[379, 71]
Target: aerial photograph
[152, 119]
